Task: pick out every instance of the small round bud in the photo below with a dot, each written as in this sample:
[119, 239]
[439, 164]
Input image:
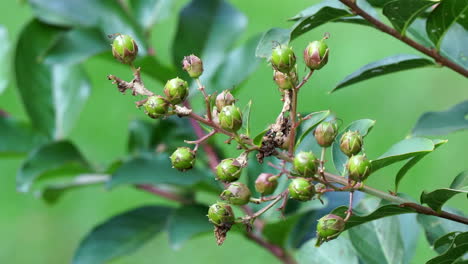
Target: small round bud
[124, 49]
[359, 168]
[316, 55]
[156, 106]
[221, 214]
[351, 143]
[176, 90]
[230, 118]
[183, 158]
[193, 66]
[228, 170]
[305, 164]
[329, 227]
[325, 133]
[266, 183]
[224, 98]
[236, 193]
[301, 189]
[320, 187]
[283, 58]
[285, 81]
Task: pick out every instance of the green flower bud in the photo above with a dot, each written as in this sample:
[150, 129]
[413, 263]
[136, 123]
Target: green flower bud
[316, 55]
[228, 170]
[320, 186]
[329, 227]
[305, 164]
[124, 49]
[236, 193]
[359, 168]
[286, 81]
[301, 189]
[325, 133]
[351, 143]
[193, 66]
[283, 58]
[224, 98]
[156, 106]
[176, 90]
[230, 118]
[266, 183]
[183, 158]
[221, 214]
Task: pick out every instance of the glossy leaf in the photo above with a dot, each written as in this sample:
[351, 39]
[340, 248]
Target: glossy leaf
[121, 235]
[402, 150]
[412, 162]
[5, 58]
[339, 250]
[444, 122]
[443, 243]
[401, 13]
[18, 137]
[437, 198]
[208, 29]
[57, 158]
[388, 65]
[458, 247]
[153, 169]
[443, 17]
[187, 222]
[379, 3]
[363, 126]
[310, 124]
[270, 39]
[410, 233]
[150, 12]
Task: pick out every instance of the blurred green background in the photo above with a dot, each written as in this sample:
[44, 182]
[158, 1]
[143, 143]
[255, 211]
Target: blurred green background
[33, 232]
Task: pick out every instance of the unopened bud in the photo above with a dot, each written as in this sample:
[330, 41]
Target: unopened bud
[266, 183]
[176, 90]
[230, 118]
[359, 168]
[316, 55]
[221, 214]
[183, 158]
[155, 106]
[351, 143]
[286, 81]
[301, 189]
[124, 49]
[305, 164]
[193, 66]
[325, 133]
[224, 98]
[283, 58]
[329, 227]
[228, 170]
[236, 193]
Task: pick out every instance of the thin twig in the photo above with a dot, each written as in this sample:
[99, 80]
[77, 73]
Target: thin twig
[349, 212]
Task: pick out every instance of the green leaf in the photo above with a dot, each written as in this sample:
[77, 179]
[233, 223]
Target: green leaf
[154, 68]
[444, 122]
[57, 158]
[208, 29]
[458, 247]
[402, 150]
[246, 118]
[363, 126]
[388, 65]
[53, 95]
[270, 39]
[443, 17]
[314, 120]
[18, 137]
[5, 58]
[401, 13]
[410, 233]
[339, 250]
[413, 161]
[154, 169]
[259, 137]
[150, 12]
[77, 45]
[187, 222]
[121, 235]
[437, 198]
[379, 3]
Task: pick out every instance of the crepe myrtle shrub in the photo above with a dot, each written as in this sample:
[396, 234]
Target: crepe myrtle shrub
[300, 174]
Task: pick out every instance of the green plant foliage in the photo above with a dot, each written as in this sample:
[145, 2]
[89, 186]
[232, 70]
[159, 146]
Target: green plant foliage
[310, 124]
[340, 251]
[18, 137]
[437, 198]
[458, 246]
[150, 12]
[5, 57]
[442, 123]
[269, 40]
[402, 13]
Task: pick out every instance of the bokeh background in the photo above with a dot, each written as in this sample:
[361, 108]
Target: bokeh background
[33, 232]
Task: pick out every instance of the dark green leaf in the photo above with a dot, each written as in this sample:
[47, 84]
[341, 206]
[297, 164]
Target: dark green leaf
[18, 137]
[339, 250]
[150, 12]
[413, 161]
[461, 181]
[443, 243]
[53, 94]
[437, 198]
[269, 40]
[259, 138]
[458, 247]
[388, 65]
[208, 29]
[311, 123]
[410, 233]
[77, 45]
[402, 13]
[444, 122]
[151, 66]
[402, 150]
[363, 126]
[443, 17]
[121, 235]
[154, 169]
[379, 3]
[5, 58]
[187, 222]
[56, 158]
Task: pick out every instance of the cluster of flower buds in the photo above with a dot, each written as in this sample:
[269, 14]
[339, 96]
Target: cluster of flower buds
[358, 166]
